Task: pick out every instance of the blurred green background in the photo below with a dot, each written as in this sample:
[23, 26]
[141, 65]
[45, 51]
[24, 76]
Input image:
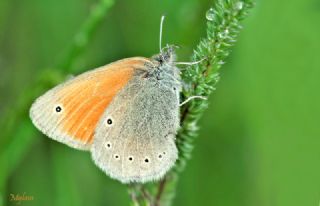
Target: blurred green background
[259, 141]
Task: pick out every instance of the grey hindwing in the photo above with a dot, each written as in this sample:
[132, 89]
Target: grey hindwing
[135, 138]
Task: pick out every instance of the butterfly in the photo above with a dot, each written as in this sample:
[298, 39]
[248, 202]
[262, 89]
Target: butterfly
[125, 113]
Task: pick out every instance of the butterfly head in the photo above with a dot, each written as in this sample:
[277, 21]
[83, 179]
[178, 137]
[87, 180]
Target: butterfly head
[166, 56]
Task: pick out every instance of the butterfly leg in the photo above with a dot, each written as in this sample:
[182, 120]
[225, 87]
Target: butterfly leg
[191, 98]
[190, 63]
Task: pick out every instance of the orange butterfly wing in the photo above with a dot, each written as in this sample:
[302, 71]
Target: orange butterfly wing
[69, 113]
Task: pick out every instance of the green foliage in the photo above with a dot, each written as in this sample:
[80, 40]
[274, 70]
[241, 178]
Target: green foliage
[222, 28]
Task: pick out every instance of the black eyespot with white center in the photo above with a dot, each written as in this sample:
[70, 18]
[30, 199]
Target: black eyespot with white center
[109, 122]
[108, 145]
[58, 109]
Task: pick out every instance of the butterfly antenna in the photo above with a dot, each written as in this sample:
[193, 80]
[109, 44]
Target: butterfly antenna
[161, 26]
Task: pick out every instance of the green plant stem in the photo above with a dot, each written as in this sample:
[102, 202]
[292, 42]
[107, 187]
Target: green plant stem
[223, 26]
[83, 37]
